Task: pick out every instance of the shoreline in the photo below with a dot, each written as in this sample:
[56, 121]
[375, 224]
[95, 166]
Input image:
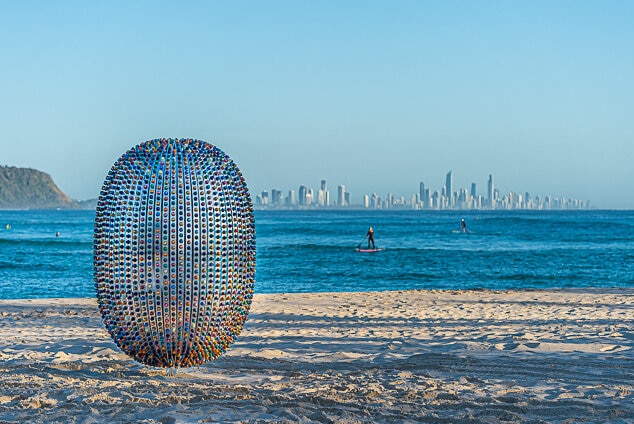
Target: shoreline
[592, 290]
[402, 355]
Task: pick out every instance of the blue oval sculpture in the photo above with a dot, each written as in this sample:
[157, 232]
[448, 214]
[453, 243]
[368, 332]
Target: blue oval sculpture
[174, 252]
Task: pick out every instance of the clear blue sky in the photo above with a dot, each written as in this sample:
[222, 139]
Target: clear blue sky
[376, 95]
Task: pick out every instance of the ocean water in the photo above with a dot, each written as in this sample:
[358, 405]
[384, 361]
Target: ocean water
[314, 251]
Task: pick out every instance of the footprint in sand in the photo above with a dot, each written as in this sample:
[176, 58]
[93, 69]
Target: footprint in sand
[609, 348]
[532, 345]
[506, 346]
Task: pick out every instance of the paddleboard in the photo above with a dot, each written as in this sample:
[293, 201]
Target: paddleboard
[369, 250]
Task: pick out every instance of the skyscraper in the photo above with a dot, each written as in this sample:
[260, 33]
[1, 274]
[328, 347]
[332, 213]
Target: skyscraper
[263, 198]
[310, 197]
[290, 199]
[448, 186]
[491, 192]
[303, 191]
[341, 195]
[375, 201]
[323, 198]
[276, 197]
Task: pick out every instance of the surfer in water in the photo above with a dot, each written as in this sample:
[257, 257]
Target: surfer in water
[370, 237]
[463, 225]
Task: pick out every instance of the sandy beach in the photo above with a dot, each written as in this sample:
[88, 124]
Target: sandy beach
[401, 356]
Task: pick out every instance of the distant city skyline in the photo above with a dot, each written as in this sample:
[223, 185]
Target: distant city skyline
[444, 198]
[376, 96]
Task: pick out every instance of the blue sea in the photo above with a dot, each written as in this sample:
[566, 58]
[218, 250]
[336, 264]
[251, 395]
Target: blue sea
[314, 251]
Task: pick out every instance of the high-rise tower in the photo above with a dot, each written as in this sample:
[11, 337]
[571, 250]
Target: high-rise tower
[323, 199]
[491, 193]
[290, 199]
[448, 184]
[341, 195]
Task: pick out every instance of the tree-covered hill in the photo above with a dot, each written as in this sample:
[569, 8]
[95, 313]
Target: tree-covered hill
[25, 188]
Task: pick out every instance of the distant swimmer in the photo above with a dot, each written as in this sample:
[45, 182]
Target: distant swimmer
[370, 237]
[57, 234]
[8, 226]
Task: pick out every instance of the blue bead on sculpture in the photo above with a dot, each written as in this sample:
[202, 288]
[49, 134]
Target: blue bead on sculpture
[174, 252]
